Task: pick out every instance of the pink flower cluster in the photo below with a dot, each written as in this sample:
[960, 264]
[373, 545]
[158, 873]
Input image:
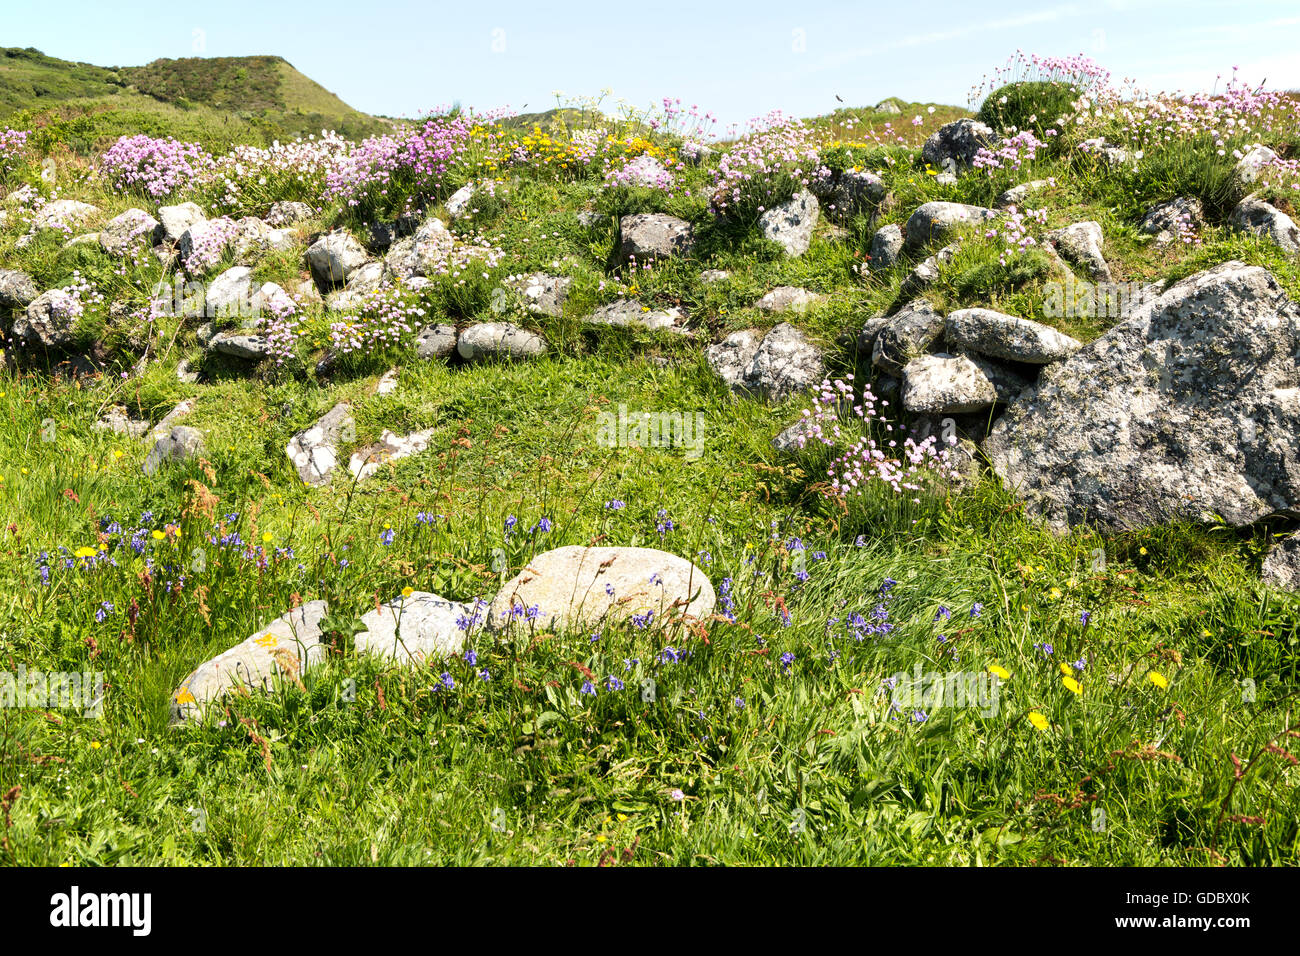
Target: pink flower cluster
[385, 318]
[837, 422]
[645, 171]
[778, 157]
[1014, 229]
[12, 144]
[1010, 152]
[1079, 71]
[413, 161]
[160, 167]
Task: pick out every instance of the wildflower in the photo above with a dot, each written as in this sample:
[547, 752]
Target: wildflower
[677, 795]
[975, 609]
[471, 658]
[1000, 672]
[387, 537]
[1038, 720]
[1072, 685]
[407, 592]
[588, 688]
[1158, 679]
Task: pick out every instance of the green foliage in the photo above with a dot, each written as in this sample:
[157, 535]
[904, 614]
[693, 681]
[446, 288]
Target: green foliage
[1036, 105]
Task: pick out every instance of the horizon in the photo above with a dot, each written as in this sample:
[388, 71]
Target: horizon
[805, 65]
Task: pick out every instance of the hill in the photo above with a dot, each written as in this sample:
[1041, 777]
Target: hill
[217, 101]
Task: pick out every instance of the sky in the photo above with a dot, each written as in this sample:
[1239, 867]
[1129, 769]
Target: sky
[737, 60]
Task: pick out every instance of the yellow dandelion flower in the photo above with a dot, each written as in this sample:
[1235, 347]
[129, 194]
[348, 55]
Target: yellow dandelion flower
[407, 592]
[267, 538]
[1158, 679]
[95, 745]
[1000, 672]
[1065, 669]
[1142, 550]
[1072, 685]
[1038, 720]
[158, 535]
[85, 552]
[1055, 594]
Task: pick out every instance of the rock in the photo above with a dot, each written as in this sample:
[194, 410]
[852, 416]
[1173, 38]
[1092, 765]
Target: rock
[117, 420]
[17, 289]
[1253, 162]
[791, 224]
[230, 294]
[865, 341]
[625, 312]
[787, 298]
[241, 345]
[937, 220]
[457, 204]
[905, 335]
[694, 154]
[181, 443]
[1018, 194]
[366, 279]
[886, 246]
[647, 236]
[63, 214]
[435, 341]
[135, 227]
[1255, 216]
[344, 300]
[784, 363]
[164, 427]
[307, 292]
[254, 237]
[49, 320]
[1187, 409]
[414, 629]
[387, 383]
[175, 221]
[709, 276]
[585, 589]
[732, 357]
[1081, 243]
[946, 385]
[892, 106]
[314, 452]
[286, 213]
[206, 232]
[794, 438]
[1007, 337]
[499, 340]
[1281, 567]
[588, 218]
[953, 146]
[544, 294]
[1165, 220]
[334, 257]
[272, 298]
[366, 461]
[289, 646]
[1109, 153]
[423, 254]
[855, 191]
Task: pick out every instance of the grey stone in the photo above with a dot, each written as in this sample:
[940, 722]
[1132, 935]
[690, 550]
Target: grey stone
[1185, 410]
[787, 298]
[998, 335]
[647, 236]
[390, 447]
[785, 363]
[48, 321]
[314, 452]
[543, 294]
[436, 341]
[17, 289]
[119, 235]
[499, 340]
[287, 213]
[953, 146]
[791, 224]
[1162, 220]
[415, 629]
[625, 312]
[175, 221]
[886, 246]
[905, 335]
[63, 214]
[1281, 567]
[946, 385]
[1255, 216]
[1253, 162]
[241, 345]
[181, 443]
[1081, 243]
[423, 254]
[334, 257]
[1018, 194]
[938, 220]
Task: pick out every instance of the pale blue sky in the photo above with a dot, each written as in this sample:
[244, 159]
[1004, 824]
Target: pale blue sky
[737, 59]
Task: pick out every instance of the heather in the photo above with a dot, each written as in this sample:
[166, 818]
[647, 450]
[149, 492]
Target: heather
[1145, 673]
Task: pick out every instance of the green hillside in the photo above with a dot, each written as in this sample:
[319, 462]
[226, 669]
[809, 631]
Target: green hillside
[218, 101]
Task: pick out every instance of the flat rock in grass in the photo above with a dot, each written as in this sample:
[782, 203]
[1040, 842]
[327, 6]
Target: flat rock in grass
[254, 237]
[284, 649]
[646, 236]
[585, 589]
[334, 257]
[946, 385]
[436, 341]
[794, 438]
[1010, 337]
[366, 278]
[1081, 243]
[17, 289]
[1108, 153]
[906, 334]
[230, 294]
[1281, 567]
[241, 345]
[787, 298]
[1167, 219]
[418, 628]
[625, 312]
[181, 443]
[175, 221]
[886, 246]
[314, 452]
[117, 420]
[366, 461]
[938, 220]
[164, 427]
[1253, 162]
[1186, 410]
[953, 146]
[288, 213]
[499, 340]
[1255, 216]
[714, 275]
[791, 224]
[1018, 194]
[133, 228]
[542, 294]
[64, 214]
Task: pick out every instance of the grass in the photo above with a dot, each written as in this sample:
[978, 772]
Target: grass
[1190, 662]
